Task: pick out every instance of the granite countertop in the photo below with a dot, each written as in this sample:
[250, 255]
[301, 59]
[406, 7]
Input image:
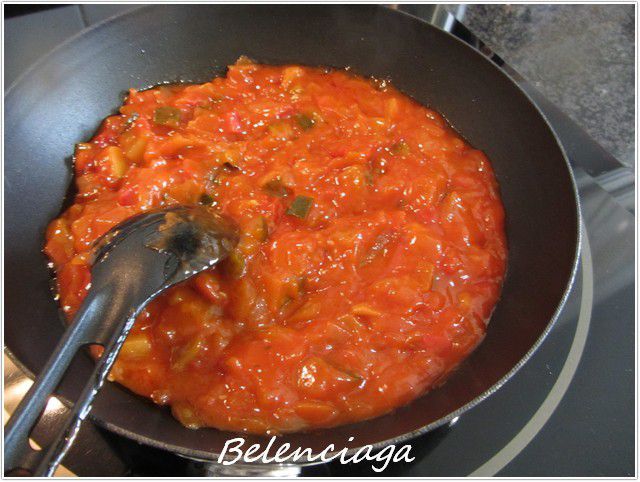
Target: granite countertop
[581, 57]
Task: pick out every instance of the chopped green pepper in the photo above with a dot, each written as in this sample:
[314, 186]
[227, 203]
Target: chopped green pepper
[167, 116]
[300, 206]
[206, 199]
[400, 148]
[368, 178]
[305, 121]
[276, 188]
[214, 176]
[227, 166]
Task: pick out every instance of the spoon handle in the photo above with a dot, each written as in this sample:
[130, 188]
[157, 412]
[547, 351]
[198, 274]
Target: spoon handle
[140, 258]
[84, 330]
[66, 436]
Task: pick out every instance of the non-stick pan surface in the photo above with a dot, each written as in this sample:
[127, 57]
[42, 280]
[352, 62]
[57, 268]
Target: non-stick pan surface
[63, 98]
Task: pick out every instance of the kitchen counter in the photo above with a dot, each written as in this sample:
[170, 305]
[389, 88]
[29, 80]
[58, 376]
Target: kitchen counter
[581, 57]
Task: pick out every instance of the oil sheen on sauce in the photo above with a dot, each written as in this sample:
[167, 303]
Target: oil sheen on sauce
[370, 257]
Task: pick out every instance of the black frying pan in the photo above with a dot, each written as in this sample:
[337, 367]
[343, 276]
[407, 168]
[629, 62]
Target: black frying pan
[63, 98]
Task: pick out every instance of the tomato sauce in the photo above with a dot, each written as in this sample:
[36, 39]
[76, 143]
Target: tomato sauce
[371, 256]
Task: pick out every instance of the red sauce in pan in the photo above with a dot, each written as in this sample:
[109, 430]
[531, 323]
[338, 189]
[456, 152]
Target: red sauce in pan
[371, 256]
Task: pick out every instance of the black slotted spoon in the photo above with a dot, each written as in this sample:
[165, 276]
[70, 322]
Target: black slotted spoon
[133, 264]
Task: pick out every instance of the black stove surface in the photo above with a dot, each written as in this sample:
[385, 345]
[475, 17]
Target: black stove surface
[570, 411]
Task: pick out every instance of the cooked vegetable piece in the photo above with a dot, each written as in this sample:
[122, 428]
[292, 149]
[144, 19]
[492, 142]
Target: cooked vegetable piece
[134, 146]
[185, 414]
[400, 148]
[187, 354]
[257, 228]
[305, 121]
[305, 312]
[117, 164]
[137, 345]
[380, 245]
[331, 309]
[281, 129]
[300, 206]
[276, 187]
[206, 199]
[230, 167]
[167, 116]
[244, 60]
[236, 264]
[262, 229]
[224, 168]
[363, 309]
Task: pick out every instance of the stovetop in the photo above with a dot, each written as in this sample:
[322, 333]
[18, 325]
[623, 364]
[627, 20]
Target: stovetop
[570, 411]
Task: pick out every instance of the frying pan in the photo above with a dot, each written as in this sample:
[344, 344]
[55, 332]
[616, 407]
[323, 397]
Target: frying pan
[63, 98]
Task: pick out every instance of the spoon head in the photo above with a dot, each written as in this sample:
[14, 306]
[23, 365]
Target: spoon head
[185, 240]
[198, 237]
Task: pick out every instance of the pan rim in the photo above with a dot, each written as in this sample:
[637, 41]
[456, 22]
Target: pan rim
[208, 456]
